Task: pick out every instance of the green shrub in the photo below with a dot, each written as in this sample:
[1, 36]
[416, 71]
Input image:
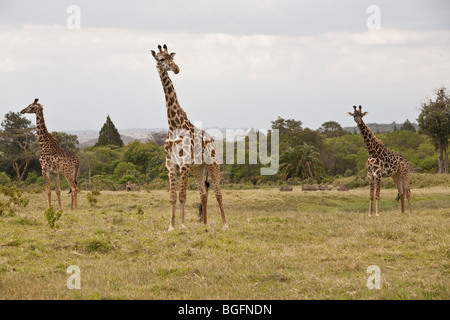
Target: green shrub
[92, 197]
[31, 178]
[13, 200]
[4, 178]
[103, 182]
[52, 216]
[127, 177]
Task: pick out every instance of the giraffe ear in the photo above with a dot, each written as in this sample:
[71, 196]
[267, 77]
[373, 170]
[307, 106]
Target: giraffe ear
[153, 53]
[172, 55]
[364, 114]
[350, 113]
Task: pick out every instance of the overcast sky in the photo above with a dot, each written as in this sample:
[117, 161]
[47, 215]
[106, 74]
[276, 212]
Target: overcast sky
[242, 63]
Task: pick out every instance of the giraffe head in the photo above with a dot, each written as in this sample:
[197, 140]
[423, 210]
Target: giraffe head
[33, 108]
[164, 60]
[357, 114]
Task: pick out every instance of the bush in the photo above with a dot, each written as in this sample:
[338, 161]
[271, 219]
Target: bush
[14, 200]
[52, 216]
[103, 182]
[426, 180]
[126, 178]
[92, 197]
[31, 178]
[122, 169]
[4, 178]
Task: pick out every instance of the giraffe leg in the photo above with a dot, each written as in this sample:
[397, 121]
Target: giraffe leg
[171, 169]
[74, 194]
[184, 174]
[199, 176]
[75, 179]
[371, 194]
[57, 188]
[377, 195]
[407, 191]
[401, 193]
[214, 171]
[48, 189]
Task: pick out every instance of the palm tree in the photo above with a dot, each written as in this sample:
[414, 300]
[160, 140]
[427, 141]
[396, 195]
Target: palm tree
[310, 161]
[302, 161]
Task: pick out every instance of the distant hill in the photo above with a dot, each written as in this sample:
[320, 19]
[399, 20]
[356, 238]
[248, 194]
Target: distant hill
[380, 127]
[91, 142]
[88, 138]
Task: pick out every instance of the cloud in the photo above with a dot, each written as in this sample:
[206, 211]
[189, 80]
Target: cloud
[280, 74]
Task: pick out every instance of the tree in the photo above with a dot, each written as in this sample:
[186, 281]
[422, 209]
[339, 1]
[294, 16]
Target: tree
[434, 121]
[331, 129]
[109, 135]
[301, 161]
[157, 137]
[66, 141]
[141, 154]
[18, 143]
[407, 126]
[287, 126]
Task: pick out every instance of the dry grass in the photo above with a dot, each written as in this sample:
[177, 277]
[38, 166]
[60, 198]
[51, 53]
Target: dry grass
[281, 245]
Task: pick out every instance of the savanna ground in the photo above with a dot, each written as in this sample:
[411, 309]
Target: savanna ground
[281, 245]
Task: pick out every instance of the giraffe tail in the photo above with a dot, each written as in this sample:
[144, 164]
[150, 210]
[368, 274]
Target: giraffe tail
[70, 189]
[75, 178]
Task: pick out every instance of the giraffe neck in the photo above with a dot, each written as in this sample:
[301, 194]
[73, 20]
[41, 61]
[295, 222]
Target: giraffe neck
[373, 145]
[44, 137]
[176, 116]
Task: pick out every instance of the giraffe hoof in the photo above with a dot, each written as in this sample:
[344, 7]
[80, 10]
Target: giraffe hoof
[225, 227]
[170, 228]
[377, 215]
[183, 226]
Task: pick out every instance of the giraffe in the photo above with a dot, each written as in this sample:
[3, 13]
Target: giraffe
[54, 159]
[383, 162]
[182, 141]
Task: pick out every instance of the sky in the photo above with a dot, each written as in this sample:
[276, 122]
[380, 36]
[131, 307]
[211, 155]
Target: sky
[242, 63]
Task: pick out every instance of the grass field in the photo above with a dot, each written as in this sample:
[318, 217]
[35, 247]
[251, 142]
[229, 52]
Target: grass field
[281, 245]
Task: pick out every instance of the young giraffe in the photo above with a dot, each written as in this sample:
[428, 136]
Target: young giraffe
[184, 140]
[383, 163]
[54, 160]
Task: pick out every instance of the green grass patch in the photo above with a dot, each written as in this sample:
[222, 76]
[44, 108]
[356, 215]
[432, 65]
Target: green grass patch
[281, 245]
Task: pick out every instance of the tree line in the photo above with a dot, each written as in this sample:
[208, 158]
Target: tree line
[305, 155]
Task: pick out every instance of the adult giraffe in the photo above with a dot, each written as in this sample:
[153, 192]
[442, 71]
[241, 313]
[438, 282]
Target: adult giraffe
[54, 159]
[186, 146]
[383, 162]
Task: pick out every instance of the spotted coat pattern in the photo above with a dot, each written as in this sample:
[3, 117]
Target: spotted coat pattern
[184, 140]
[54, 160]
[383, 162]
